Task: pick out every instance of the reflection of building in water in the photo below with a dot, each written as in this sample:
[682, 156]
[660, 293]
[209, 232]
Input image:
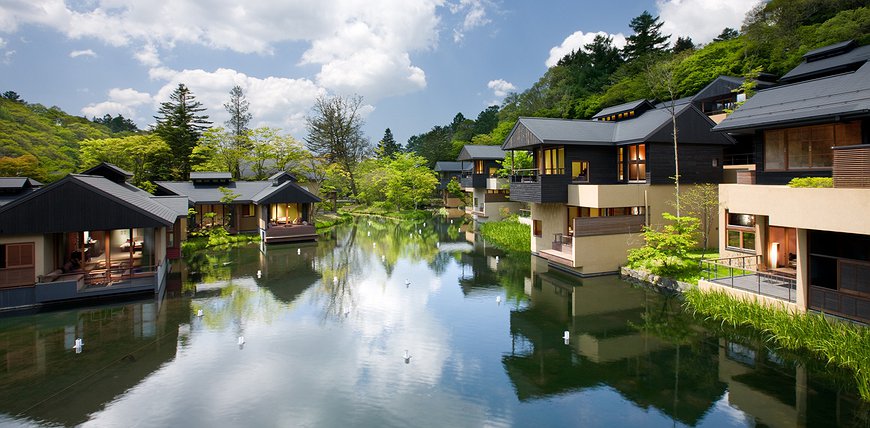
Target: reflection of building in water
[123, 345]
[607, 347]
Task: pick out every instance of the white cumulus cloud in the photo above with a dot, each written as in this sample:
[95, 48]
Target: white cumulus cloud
[120, 101]
[475, 16]
[86, 52]
[576, 41]
[501, 87]
[360, 47]
[702, 20]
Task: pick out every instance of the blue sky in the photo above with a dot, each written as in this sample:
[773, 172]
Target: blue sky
[416, 62]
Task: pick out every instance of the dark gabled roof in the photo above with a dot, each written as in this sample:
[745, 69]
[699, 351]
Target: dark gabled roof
[631, 105]
[110, 171]
[651, 126]
[828, 60]
[286, 192]
[480, 152]
[210, 175]
[178, 204]
[13, 183]
[842, 96]
[722, 85]
[247, 191]
[448, 166]
[82, 202]
[282, 176]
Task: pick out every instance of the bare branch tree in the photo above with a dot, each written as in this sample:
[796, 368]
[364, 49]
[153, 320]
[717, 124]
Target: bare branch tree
[335, 133]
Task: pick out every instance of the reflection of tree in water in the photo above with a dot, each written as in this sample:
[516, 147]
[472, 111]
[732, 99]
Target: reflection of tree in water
[336, 261]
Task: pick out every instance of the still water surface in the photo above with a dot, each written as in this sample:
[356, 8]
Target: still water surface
[326, 328]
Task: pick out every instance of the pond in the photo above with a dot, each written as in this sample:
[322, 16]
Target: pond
[384, 323]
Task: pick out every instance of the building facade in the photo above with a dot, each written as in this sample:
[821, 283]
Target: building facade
[488, 193]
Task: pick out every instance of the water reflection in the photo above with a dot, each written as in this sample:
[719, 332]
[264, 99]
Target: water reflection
[327, 325]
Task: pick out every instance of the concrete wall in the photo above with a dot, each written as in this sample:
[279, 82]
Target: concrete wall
[493, 210]
[836, 210]
[554, 219]
[44, 259]
[605, 253]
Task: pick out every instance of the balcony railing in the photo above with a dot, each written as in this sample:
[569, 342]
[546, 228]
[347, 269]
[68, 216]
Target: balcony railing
[744, 273]
[532, 175]
[611, 225]
[852, 166]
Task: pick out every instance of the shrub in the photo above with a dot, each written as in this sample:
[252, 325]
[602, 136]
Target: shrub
[820, 182]
[508, 235]
[666, 251]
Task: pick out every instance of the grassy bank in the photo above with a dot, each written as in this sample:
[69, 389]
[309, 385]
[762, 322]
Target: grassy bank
[509, 235]
[839, 343]
[217, 241]
[391, 214]
[325, 221]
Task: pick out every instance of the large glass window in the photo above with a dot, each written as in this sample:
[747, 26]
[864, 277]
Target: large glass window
[580, 171]
[553, 161]
[807, 147]
[478, 167]
[637, 162]
[740, 232]
[620, 167]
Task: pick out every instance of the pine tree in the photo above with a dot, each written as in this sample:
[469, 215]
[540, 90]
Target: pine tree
[238, 122]
[726, 34]
[647, 38]
[683, 44]
[388, 146]
[181, 125]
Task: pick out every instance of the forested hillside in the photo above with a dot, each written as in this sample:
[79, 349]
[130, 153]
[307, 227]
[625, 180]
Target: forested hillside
[41, 142]
[773, 38]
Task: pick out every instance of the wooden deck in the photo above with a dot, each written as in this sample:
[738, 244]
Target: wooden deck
[760, 283]
[562, 258]
[290, 233]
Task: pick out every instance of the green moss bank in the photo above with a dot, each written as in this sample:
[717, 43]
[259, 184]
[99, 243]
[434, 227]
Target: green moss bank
[509, 235]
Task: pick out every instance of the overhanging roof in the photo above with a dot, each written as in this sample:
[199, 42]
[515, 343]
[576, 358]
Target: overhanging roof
[247, 191]
[286, 192]
[448, 166]
[693, 127]
[837, 58]
[631, 105]
[110, 171]
[82, 202]
[210, 175]
[480, 152]
[842, 96]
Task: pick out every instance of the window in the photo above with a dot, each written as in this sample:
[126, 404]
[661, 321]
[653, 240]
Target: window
[478, 167]
[249, 211]
[580, 171]
[537, 228]
[620, 167]
[553, 161]
[740, 232]
[493, 171]
[807, 147]
[637, 163]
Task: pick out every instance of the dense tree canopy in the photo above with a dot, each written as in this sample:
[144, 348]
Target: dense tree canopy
[647, 38]
[180, 123]
[335, 133]
[117, 123]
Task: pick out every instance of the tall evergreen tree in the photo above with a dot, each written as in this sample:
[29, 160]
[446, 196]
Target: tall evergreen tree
[486, 121]
[727, 34]
[238, 122]
[683, 44]
[647, 38]
[388, 146]
[180, 124]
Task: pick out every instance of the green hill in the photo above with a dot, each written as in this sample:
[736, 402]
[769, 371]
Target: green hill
[41, 142]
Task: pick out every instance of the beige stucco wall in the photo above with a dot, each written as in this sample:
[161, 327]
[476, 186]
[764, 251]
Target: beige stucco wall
[554, 219]
[836, 210]
[493, 210]
[44, 259]
[604, 253]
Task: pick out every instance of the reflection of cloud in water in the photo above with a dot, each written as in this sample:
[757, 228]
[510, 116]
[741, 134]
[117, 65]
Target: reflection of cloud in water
[302, 371]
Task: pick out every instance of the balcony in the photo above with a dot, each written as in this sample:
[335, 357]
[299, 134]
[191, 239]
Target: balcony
[615, 225]
[611, 195]
[529, 185]
[477, 181]
[290, 232]
[746, 273]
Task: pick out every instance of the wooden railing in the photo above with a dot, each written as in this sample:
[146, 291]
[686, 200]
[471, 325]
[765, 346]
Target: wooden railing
[852, 166]
[613, 225]
[17, 277]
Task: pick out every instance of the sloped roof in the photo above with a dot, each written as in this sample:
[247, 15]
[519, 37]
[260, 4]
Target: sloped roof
[286, 192]
[480, 152]
[210, 175]
[448, 166]
[14, 182]
[107, 170]
[693, 127]
[283, 175]
[631, 105]
[824, 99]
[82, 202]
[178, 204]
[248, 191]
[849, 59]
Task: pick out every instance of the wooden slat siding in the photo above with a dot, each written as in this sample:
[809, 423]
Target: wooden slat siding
[521, 137]
[496, 197]
[835, 302]
[602, 162]
[20, 262]
[696, 163]
[745, 177]
[548, 188]
[292, 233]
[615, 225]
[852, 166]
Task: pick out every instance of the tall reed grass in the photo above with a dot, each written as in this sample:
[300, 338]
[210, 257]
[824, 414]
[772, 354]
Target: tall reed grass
[838, 342]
